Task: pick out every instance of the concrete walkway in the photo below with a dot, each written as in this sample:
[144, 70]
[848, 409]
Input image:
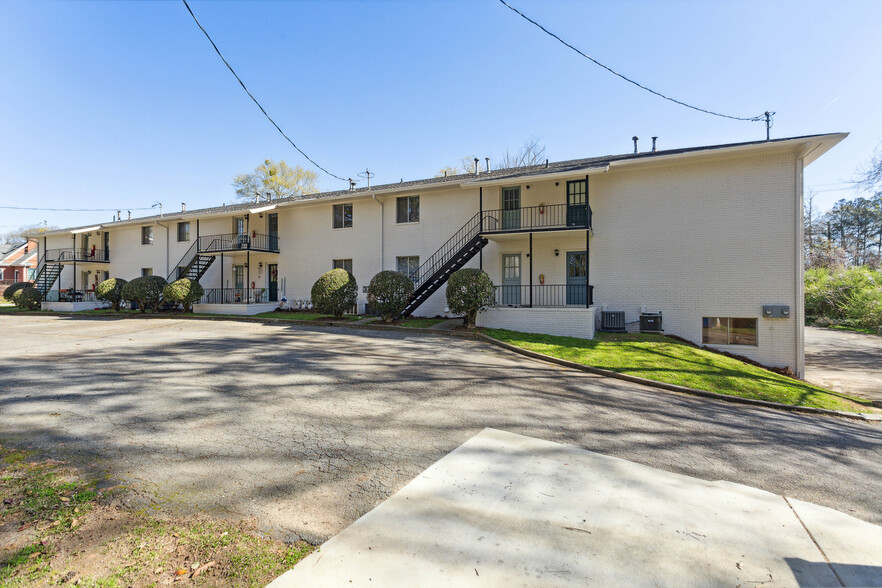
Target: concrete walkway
[507, 510]
[844, 361]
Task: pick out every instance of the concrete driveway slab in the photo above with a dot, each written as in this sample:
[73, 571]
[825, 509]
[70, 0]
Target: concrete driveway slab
[844, 361]
[508, 510]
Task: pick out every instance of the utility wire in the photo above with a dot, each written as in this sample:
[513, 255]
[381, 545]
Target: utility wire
[250, 95]
[627, 79]
[73, 209]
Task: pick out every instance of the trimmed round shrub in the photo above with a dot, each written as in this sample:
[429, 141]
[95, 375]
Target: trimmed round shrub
[469, 291]
[146, 291]
[388, 293]
[184, 292]
[335, 292]
[28, 298]
[10, 290]
[110, 290]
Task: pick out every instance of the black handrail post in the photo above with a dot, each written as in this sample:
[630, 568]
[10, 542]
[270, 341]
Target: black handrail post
[587, 247]
[481, 225]
[531, 270]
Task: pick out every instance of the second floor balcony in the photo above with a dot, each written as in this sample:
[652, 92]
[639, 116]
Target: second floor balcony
[78, 254]
[238, 242]
[545, 217]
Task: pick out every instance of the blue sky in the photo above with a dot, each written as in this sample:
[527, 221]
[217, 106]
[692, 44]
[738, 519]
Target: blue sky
[123, 104]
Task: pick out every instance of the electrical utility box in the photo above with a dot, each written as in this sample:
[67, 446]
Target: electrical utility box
[779, 311]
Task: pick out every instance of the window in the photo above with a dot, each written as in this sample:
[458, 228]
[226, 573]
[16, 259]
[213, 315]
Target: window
[728, 331]
[343, 264]
[146, 271]
[342, 216]
[183, 232]
[409, 266]
[239, 225]
[408, 208]
[146, 235]
[15, 273]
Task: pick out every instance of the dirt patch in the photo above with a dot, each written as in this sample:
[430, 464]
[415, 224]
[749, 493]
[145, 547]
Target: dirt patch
[57, 526]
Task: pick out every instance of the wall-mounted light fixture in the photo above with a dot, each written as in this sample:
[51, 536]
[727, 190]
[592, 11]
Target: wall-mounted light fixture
[556, 252]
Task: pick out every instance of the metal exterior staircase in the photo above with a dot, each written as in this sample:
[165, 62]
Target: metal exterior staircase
[46, 276]
[454, 254]
[194, 265]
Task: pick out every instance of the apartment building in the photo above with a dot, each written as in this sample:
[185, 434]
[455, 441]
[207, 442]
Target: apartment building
[19, 264]
[706, 240]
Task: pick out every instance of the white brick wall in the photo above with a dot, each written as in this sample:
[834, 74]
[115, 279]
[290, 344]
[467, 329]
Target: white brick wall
[567, 322]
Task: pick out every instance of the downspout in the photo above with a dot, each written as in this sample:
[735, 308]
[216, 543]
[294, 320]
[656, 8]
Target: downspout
[382, 238]
[799, 311]
[166, 245]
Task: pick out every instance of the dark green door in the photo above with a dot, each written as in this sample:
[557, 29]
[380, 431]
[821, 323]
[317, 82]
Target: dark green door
[511, 208]
[511, 279]
[273, 282]
[576, 272]
[576, 210]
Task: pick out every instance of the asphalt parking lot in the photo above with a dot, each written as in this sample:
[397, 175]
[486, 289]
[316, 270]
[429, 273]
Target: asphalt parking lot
[307, 428]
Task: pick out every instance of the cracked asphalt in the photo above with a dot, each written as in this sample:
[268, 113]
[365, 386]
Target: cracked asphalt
[307, 428]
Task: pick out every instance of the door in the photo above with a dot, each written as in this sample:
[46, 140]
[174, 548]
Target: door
[106, 246]
[511, 279]
[273, 284]
[272, 227]
[511, 208]
[577, 270]
[576, 210]
[238, 294]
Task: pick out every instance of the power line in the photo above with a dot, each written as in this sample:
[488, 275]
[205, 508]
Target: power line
[764, 116]
[72, 209]
[250, 95]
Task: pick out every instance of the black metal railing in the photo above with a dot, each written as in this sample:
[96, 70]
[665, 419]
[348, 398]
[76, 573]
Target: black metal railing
[544, 295]
[238, 242]
[235, 296]
[77, 254]
[453, 245]
[70, 296]
[537, 218]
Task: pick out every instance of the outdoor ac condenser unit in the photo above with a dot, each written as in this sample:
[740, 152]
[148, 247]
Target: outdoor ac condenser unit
[612, 321]
[651, 322]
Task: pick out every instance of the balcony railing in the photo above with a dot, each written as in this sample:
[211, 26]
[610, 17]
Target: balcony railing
[80, 254]
[235, 296]
[238, 242]
[71, 296]
[544, 295]
[545, 217]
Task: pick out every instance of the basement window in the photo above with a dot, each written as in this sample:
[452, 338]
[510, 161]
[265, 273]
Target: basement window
[728, 331]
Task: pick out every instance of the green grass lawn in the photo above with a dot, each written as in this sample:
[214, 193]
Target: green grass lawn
[306, 316]
[420, 323]
[663, 359]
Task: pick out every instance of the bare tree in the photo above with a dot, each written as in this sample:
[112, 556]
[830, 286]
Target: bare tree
[531, 153]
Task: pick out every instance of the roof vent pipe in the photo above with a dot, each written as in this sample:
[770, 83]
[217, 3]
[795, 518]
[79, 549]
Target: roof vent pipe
[487, 159]
[351, 185]
[477, 171]
[653, 144]
[183, 207]
[635, 138]
[546, 164]
[445, 173]
[119, 215]
[130, 214]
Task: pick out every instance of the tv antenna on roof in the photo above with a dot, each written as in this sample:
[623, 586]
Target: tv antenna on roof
[367, 174]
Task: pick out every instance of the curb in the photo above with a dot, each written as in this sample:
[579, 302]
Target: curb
[869, 418]
[681, 389]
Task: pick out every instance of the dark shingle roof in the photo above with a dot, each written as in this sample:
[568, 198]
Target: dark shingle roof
[483, 176]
